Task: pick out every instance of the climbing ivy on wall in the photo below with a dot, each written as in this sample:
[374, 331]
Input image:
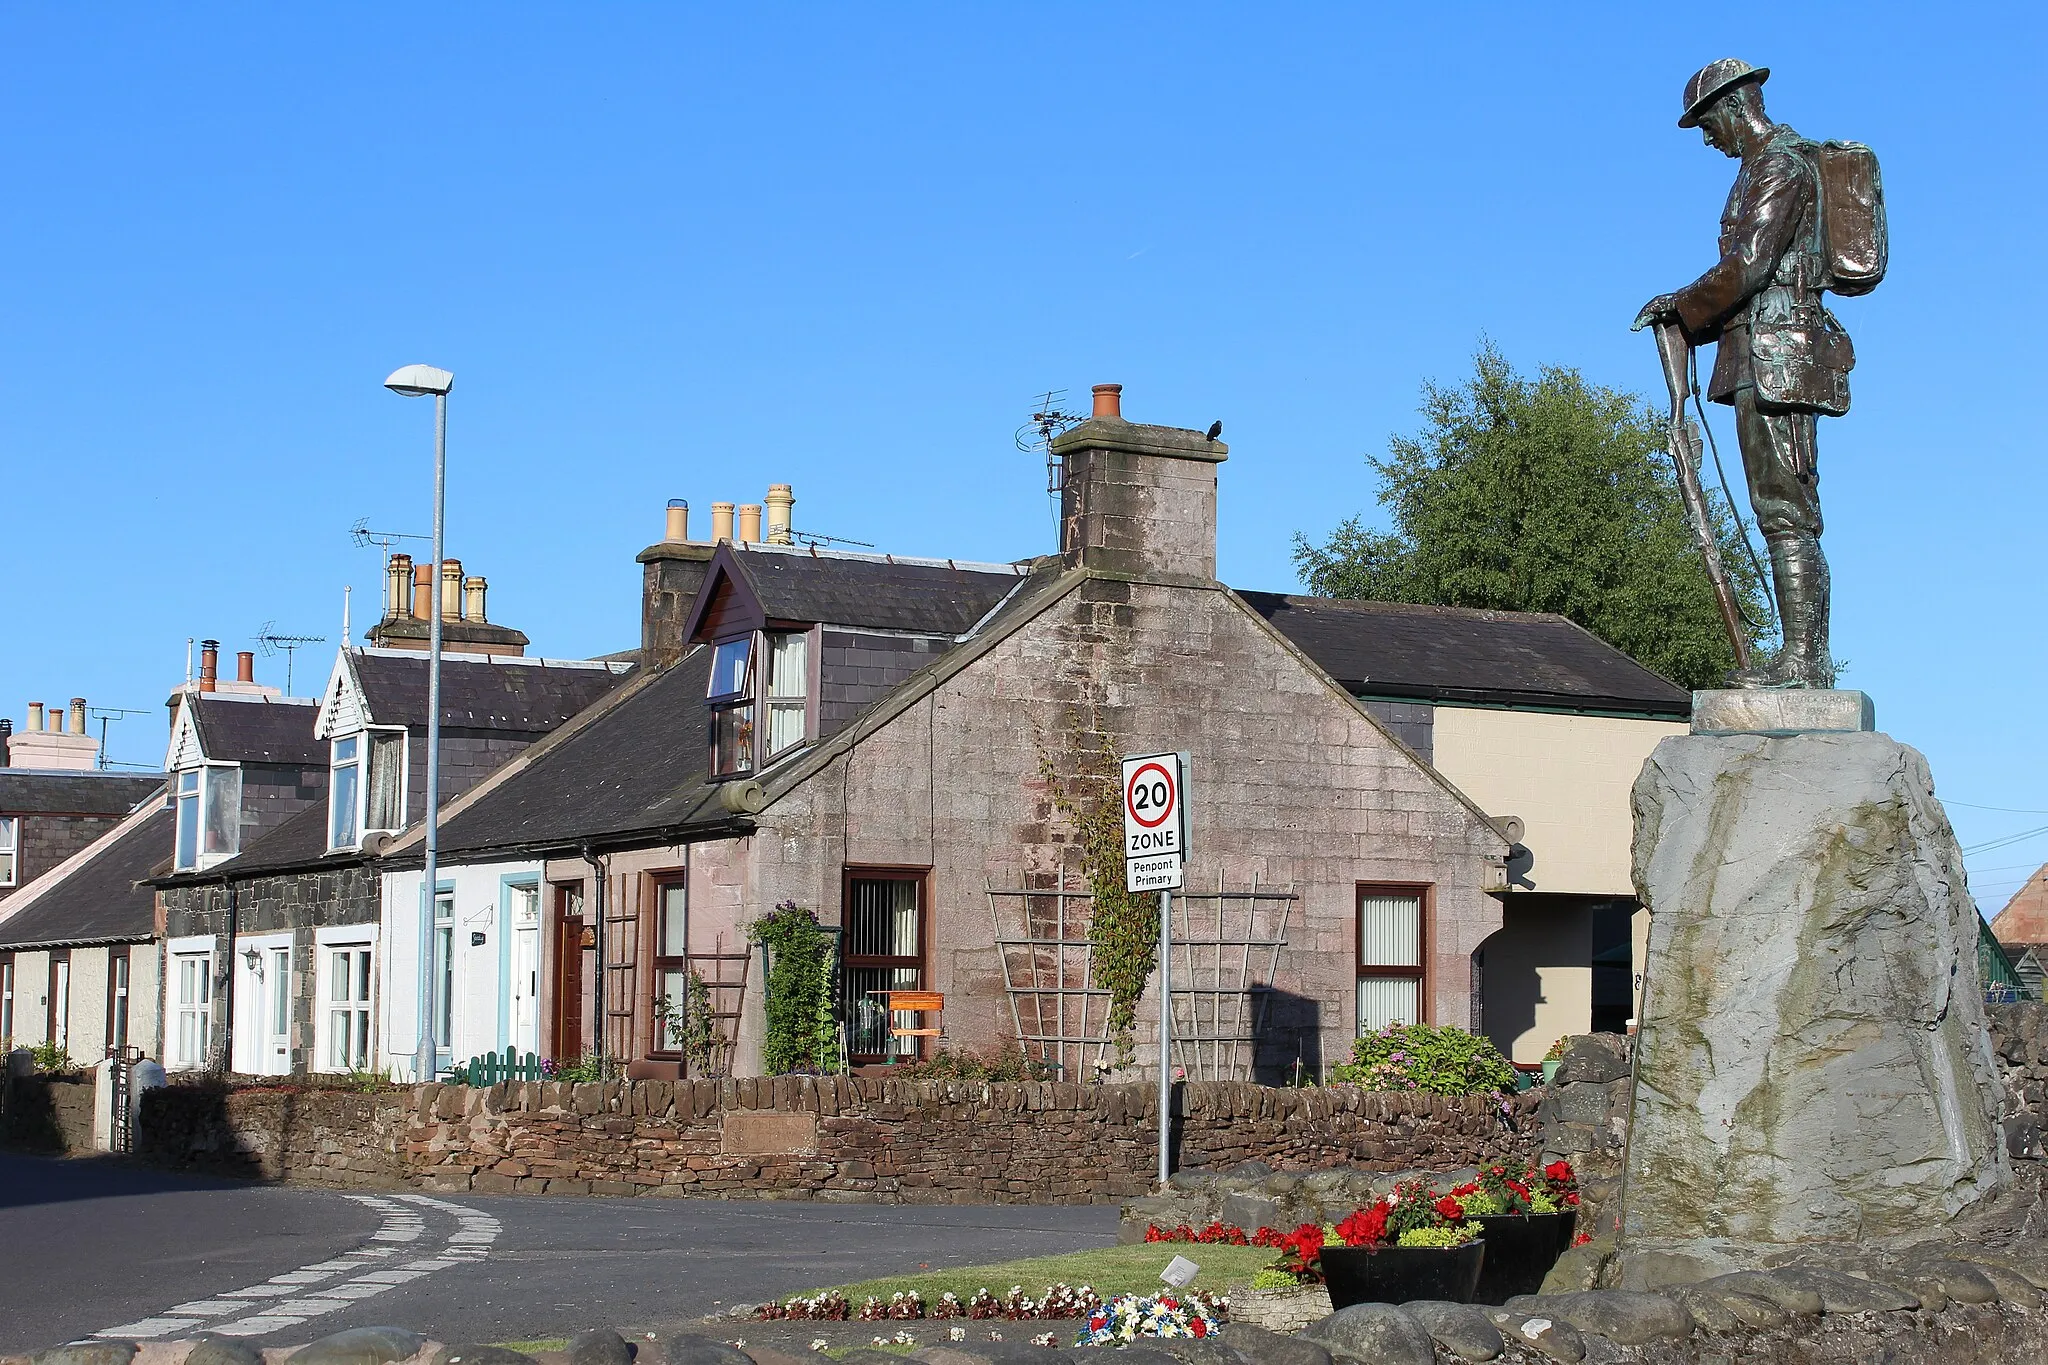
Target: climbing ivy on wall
[1123, 928]
[802, 1027]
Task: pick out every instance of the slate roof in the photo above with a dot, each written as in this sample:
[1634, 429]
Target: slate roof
[98, 900]
[2025, 917]
[529, 696]
[1457, 654]
[874, 591]
[640, 766]
[266, 730]
[28, 791]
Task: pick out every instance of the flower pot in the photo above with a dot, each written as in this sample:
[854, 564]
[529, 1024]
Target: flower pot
[1402, 1274]
[1567, 1228]
[1521, 1248]
[1550, 1071]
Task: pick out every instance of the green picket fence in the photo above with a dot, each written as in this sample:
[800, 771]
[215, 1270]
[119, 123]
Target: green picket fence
[491, 1067]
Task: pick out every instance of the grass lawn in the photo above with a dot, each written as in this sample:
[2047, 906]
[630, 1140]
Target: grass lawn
[1109, 1271]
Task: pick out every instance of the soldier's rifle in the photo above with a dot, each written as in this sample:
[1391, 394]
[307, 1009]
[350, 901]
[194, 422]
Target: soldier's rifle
[1684, 443]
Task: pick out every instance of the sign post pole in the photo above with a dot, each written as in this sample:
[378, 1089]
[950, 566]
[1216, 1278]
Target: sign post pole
[1165, 1033]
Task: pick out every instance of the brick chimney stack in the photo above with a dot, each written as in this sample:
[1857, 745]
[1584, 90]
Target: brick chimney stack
[1138, 499]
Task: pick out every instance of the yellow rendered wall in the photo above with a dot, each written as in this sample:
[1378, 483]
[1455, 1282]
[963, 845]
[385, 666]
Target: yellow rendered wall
[1539, 984]
[1568, 777]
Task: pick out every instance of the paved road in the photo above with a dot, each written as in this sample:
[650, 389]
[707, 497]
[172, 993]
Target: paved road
[90, 1246]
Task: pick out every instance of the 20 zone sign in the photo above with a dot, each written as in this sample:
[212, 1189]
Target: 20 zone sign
[1154, 833]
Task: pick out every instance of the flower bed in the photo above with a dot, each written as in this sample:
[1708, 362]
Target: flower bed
[1059, 1301]
[1130, 1316]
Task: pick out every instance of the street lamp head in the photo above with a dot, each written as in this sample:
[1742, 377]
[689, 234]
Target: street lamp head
[417, 381]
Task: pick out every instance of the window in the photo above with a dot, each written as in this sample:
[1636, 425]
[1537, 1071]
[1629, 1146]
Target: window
[788, 679]
[1390, 942]
[10, 845]
[117, 999]
[348, 1006]
[7, 1001]
[59, 1029]
[342, 793]
[732, 707]
[444, 970]
[884, 951]
[192, 1008]
[671, 963]
[209, 801]
[188, 819]
[387, 782]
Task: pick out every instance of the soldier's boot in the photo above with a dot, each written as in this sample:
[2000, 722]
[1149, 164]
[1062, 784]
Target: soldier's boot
[1801, 574]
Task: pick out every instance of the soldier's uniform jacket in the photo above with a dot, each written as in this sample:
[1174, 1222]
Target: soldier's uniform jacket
[1762, 301]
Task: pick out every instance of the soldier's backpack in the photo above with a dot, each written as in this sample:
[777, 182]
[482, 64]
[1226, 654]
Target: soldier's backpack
[1853, 240]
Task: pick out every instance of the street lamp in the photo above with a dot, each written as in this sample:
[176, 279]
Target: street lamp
[417, 381]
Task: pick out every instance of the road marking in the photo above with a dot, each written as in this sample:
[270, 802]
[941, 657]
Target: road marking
[367, 1268]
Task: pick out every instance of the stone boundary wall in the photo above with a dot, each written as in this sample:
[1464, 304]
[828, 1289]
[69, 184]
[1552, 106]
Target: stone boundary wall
[47, 1113]
[802, 1137]
[292, 1133]
[2020, 1033]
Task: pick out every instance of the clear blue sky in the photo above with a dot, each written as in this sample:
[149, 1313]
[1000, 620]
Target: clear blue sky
[688, 252]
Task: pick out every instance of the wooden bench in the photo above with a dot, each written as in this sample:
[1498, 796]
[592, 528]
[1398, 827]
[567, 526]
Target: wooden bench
[913, 1002]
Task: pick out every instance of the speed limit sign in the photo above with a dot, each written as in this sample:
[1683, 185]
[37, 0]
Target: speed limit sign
[1155, 829]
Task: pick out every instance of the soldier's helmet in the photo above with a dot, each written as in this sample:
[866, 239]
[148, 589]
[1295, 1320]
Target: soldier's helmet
[1714, 80]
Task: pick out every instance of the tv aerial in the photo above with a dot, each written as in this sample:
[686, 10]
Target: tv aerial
[1042, 429]
[103, 714]
[364, 537]
[273, 644]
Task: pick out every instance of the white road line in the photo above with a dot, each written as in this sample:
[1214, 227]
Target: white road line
[366, 1270]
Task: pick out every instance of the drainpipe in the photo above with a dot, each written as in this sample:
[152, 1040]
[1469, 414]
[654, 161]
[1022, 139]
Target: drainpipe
[598, 878]
[227, 987]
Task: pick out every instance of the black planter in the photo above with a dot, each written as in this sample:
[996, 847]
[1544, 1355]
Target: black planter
[1402, 1274]
[1521, 1249]
[1567, 1228]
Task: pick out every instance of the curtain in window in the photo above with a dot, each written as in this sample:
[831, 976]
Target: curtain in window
[1390, 931]
[223, 811]
[387, 781]
[1384, 1000]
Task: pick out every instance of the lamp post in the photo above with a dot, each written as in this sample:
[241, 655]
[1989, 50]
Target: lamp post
[416, 381]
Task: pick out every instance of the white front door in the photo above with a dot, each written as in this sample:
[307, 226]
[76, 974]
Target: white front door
[277, 1014]
[525, 982]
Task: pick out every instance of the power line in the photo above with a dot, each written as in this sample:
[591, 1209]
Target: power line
[2019, 838]
[2009, 810]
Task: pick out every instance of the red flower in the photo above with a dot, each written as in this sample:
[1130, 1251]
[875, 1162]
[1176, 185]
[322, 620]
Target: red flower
[1365, 1228]
[1560, 1171]
[1519, 1188]
[1582, 1239]
[1200, 1327]
[1571, 1197]
[1167, 1302]
[1450, 1208]
[1153, 1234]
[1469, 1187]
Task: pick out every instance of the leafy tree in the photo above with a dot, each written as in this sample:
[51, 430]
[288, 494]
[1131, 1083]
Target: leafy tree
[1545, 494]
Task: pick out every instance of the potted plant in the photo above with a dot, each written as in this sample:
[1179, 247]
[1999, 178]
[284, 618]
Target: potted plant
[1519, 1219]
[1552, 1059]
[1561, 1183]
[1413, 1244]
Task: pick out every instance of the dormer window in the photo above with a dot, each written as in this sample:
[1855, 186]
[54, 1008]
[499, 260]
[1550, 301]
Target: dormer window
[209, 808]
[366, 789]
[758, 714]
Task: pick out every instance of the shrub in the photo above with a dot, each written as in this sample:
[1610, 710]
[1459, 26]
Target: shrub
[802, 1016]
[1426, 1057]
[51, 1056]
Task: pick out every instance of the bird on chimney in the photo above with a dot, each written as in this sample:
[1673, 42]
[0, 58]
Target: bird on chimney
[1215, 430]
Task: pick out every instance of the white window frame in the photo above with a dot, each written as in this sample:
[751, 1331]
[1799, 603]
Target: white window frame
[365, 741]
[201, 796]
[10, 849]
[352, 939]
[754, 698]
[177, 952]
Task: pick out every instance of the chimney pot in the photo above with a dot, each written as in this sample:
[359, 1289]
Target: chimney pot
[451, 590]
[245, 666]
[397, 587]
[750, 523]
[1109, 401]
[678, 528]
[35, 717]
[76, 723]
[473, 599]
[53, 718]
[209, 665]
[778, 502]
[423, 591]
[721, 522]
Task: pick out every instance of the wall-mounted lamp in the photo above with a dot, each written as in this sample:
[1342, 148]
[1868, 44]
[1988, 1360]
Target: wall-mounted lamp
[254, 957]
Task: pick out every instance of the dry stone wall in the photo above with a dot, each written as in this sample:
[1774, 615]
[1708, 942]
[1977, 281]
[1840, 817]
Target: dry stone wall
[801, 1137]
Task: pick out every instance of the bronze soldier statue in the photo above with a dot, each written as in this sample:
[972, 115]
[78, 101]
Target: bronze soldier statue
[1783, 360]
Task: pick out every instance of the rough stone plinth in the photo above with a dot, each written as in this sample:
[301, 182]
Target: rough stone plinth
[1813, 1064]
[1790, 711]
